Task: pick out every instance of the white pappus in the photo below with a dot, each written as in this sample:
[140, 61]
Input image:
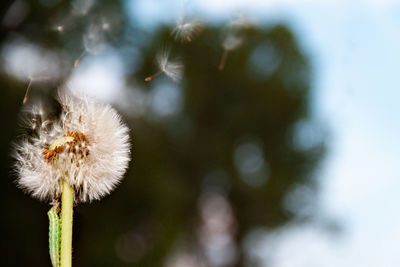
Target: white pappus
[185, 29]
[87, 145]
[172, 68]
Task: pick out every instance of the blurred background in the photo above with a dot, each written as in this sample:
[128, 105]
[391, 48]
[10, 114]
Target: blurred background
[277, 146]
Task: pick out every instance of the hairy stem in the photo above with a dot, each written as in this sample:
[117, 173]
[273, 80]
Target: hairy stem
[66, 224]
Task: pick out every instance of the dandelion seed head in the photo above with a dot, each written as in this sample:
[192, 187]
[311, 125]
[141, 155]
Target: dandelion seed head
[172, 68]
[87, 145]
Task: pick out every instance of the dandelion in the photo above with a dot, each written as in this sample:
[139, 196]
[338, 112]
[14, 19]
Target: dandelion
[88, 146]
[172, 68]
[185, 30]
[79, 156]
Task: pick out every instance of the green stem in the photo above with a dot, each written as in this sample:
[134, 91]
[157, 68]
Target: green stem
[66, 224]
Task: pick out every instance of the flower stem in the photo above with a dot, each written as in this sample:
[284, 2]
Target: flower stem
[66, 224]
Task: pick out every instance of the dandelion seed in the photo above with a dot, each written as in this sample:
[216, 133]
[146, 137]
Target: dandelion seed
[93, 41]
[28, 88]
[78, 60]
[233, 40]
[186, 30]
[240, 22]
[87, 146]
[27, 91]
[231, 43]
[173, 69]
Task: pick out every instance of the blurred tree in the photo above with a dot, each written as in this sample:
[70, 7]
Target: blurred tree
[229, 133]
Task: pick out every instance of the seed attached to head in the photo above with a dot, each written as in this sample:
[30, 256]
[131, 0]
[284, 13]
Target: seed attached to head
[73, 143]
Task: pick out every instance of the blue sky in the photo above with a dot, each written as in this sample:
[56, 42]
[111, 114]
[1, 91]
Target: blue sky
[354, 48]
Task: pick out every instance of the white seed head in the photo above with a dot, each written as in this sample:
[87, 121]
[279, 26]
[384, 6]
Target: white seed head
[172, 68]
[87, 145]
